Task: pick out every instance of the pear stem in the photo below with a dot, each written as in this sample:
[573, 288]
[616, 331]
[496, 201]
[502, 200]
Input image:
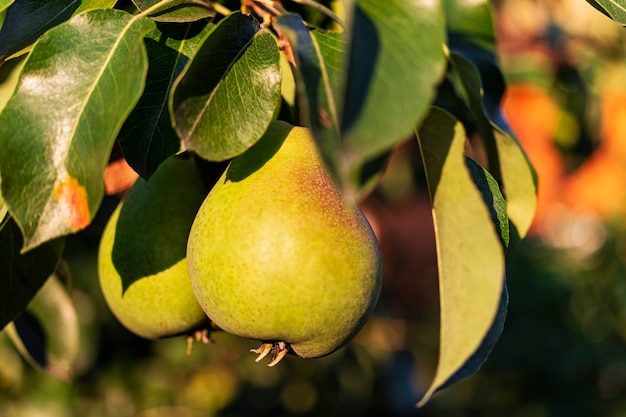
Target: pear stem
[277, 349]
[199, 335]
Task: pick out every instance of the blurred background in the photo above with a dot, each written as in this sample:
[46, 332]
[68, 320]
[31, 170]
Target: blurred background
[563, 349]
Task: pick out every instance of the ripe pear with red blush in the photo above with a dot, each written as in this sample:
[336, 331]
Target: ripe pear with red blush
[276, 254]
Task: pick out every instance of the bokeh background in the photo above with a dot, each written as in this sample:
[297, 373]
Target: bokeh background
[563, 349]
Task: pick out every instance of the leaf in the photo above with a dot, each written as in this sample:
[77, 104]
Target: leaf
[79, 84]
[181, 11]
[227, 95]
[471, 19]
[615, 9]
[142, 212]
[27, 20]
[147, 137]
[492, 197]
[9, 74]
[319, 59]
[47, 333]
[507, 159]
[22, 275]
[395, 62]
[469, 253]
[4, 4]
[496, 204]
[478, 358]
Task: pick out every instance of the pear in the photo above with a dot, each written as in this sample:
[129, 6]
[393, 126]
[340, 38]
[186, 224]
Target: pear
[142, 256]
[276, 254]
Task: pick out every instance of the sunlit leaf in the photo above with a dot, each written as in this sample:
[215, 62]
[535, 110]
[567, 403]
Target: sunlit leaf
[47, 332]
[9, 74]
[469, 253]
[471, 19]
[227, 95]
[395, 62]
[4, 4]
[180, 11]
[615, 9]
[147, 137]
[474, 362]
[496, 204]
[507, 160]
[21, 276]
[319, 59]
[80, 82]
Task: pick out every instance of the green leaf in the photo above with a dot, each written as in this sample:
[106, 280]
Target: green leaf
[94, 4]
[478, 358]
[79, 84]
[227, 95]
[47, 333]
[615, 9]
[9, 74]
[27, 20]
[471, 19]
[507, 160]
[180, 11]
[492, 197]
[22, 275]
[520, 183]
[4, 4]
[143, 211]
[318, 75]
[395, 62]
[147, 137]
[469, 253]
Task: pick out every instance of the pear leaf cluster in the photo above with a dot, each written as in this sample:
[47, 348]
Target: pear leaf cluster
[252, 137]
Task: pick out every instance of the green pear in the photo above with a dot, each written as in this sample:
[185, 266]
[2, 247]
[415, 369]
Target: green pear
[142, 256]
[276, 254]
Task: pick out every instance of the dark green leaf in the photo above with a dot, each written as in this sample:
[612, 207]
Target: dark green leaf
[319, 72]
[47, 333]
[147, 137]
[469, 253]
[22, 275]
[395, 62]
[180, 11]
[227, 95]
[168, 203]
[27, 20]
[615, 9]
[80, 82]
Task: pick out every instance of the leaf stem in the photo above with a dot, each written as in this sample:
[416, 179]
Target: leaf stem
[323, 9]
[273, 5]
[221, 9]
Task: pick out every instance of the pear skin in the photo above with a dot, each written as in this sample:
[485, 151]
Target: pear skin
[276, 254]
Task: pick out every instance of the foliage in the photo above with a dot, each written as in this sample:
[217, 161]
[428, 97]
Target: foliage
[159, 78]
